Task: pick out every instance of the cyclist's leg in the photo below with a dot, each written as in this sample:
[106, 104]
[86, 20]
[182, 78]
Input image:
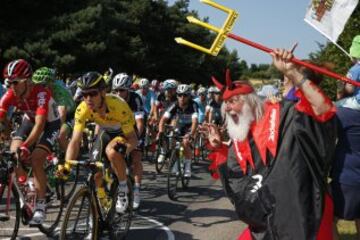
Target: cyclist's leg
[115, 154]
[116, 160]
[38, 158]
[136, 157]
[18, 138]
[187, 152]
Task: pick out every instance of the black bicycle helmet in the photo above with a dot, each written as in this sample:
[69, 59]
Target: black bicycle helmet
[91, 80]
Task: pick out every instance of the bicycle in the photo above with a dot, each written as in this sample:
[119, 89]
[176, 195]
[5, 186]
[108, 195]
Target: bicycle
[176, 157]
[86, 213]
[20, 199]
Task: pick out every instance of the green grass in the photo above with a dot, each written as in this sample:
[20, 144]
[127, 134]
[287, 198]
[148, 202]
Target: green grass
[347, 230]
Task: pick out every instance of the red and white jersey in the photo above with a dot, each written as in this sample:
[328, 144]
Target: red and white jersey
[39, 102]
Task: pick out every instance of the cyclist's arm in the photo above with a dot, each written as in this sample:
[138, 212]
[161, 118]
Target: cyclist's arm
[62, 113]
[140, 125]
[194, 124]
[156, 112]
[207, 114]
[162, 124]
[41, 115]
[40, 121]
[210, 119]
[5, 103]
[72, 151]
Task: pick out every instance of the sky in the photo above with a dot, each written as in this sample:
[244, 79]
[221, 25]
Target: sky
[273, 23]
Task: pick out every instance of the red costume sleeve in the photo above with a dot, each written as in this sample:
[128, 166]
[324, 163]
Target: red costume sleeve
[218, 156]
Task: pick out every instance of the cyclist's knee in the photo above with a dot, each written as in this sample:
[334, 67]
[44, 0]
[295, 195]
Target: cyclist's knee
[38, 157]
[112, 154]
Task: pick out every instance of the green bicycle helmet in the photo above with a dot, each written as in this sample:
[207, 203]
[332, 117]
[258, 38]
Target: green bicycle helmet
[91, 80]
[43, 75]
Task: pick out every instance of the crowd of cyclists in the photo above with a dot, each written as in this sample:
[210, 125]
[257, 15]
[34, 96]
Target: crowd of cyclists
[126, 111]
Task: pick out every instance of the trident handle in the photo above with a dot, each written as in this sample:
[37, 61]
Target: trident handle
[225, 32]
[297, 61]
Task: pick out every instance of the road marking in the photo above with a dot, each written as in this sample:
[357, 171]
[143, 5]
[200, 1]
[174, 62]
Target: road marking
[169, 233]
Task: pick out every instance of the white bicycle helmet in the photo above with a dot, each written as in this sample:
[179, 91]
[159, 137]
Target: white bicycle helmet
[170, 84]
[144, 83]
[121, 81]
[213, 89]
[155, 83]
[183, 89]
[201, 91]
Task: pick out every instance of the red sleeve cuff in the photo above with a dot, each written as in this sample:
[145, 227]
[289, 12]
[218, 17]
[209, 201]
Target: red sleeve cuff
[218, 156]
[304, 106]
[41, 111]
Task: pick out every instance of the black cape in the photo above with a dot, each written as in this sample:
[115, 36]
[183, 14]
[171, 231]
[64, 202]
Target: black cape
[290, 200]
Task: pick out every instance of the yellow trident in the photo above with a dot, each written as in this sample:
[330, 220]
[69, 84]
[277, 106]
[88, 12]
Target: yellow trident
[222, 32]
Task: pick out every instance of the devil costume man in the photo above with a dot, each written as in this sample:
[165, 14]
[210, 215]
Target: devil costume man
[276, 178]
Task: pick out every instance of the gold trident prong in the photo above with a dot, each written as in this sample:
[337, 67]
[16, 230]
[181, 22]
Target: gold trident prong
[222, 32]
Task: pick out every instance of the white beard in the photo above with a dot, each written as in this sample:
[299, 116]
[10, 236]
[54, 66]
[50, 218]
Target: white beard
[240, 130]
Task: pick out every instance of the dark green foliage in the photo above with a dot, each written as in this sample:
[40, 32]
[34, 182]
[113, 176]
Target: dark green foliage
[135, 36]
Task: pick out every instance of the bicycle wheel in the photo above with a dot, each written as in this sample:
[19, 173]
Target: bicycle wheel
[54, 201]
[81, 219]
[119, 224]
[9, 220]
[173, 176]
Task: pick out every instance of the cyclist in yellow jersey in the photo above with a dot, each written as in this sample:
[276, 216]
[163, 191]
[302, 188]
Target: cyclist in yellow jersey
[114, 119]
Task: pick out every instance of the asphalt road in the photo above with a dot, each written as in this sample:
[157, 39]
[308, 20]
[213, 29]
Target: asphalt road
[199, 212]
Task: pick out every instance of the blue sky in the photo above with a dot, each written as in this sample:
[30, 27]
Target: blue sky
[273, 23]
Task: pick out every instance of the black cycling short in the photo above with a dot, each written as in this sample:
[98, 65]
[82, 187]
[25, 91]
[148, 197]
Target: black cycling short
[48, 138]
[103, 138]
[183, 130]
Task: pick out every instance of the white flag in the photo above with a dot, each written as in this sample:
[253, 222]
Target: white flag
[330, 16]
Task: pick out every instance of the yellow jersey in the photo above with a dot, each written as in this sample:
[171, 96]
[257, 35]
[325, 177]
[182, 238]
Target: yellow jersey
[118, 116]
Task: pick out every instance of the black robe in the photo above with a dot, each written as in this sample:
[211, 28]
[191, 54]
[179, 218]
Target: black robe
[289, 202]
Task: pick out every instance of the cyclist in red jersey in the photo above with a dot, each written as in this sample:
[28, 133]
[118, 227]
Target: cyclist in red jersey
[40, 112]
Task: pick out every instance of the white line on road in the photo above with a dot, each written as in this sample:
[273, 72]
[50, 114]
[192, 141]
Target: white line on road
[169, 233]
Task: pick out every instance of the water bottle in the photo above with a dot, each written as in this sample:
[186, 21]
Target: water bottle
[22, 184]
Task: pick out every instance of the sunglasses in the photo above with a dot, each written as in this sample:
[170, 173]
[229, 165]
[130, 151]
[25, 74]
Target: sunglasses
[182, 95]
[14, 82]
[90, 94]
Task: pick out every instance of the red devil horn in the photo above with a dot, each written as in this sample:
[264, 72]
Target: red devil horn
[228, 78]
[217, 83]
